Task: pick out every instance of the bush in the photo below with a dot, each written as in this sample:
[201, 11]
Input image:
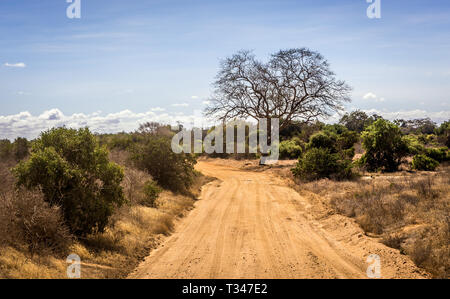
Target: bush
[74, 173]
[319, 163]
[26, 219]
[323, 140]
[20, 148]
[422, 162]
[357, 120]
[438, 154]
[170, 170]
[290, 150]
[443, 133]
[385, 146]
[5, 149]
[151, 192]
[415, 147]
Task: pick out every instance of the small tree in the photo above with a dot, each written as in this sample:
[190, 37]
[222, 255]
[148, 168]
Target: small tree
[170, 170]
[151, 193]
[73, 172]
[385, 146]
[357, 120]
[21, 148]
[443, 133]
[5, 149]
[295, 84]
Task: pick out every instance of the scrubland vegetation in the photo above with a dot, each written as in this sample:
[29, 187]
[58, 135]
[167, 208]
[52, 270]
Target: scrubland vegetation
[110, 198]
[75, 192]
[397, 188]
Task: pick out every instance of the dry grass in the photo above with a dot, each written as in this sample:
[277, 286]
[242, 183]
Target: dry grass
[408, 211]
[131, 234]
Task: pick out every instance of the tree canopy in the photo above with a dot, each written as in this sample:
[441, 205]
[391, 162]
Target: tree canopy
[295, 84]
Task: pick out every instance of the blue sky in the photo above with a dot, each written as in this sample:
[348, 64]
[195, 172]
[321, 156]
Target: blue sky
[128, 61]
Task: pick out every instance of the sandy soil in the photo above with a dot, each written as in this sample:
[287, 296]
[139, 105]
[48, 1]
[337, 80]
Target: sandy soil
[250, 224]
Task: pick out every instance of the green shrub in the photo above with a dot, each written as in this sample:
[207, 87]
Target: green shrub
[21, 148]
[319, 163]
[357, 120]
[346, 140]
[385, 146]
[323, 140]
[74, 173]
[443, 133]
[5, 149]
[438, 154]
[170, 170]
[414, 145]
[298, 141]
[422, 162]
[290, 150]
[151, 193]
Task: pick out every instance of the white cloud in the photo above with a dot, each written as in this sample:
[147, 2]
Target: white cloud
[372, 96]
[206, 102]
[25, 124]
[194, 97]
[157, 109]
[180, 105]
[369, 95]
[17, 65]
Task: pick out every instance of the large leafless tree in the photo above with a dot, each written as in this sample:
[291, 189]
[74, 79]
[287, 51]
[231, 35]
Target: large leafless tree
[295, 84]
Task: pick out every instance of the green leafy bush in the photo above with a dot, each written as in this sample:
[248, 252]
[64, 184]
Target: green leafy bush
[151, 192]
[290, 150]
[385, 146]
[414, 145]
[323, 140]
[73, 172]
[319, 163]
[170, 170]
[422, 162]
[438, 154]
[328, 154]
[357, 120]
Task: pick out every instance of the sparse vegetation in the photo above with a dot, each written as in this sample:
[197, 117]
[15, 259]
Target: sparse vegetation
[407, 212]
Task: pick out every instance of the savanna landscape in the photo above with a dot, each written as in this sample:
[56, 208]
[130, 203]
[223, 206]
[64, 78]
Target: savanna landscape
[312, 150]
[298, 218]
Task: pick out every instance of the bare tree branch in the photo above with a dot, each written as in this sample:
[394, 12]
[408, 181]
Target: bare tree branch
[295, 84]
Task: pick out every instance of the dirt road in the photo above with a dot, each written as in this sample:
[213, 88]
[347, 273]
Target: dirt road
[251, 225]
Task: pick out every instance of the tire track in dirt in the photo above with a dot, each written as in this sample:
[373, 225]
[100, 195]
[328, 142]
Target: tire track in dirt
[252, 225]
